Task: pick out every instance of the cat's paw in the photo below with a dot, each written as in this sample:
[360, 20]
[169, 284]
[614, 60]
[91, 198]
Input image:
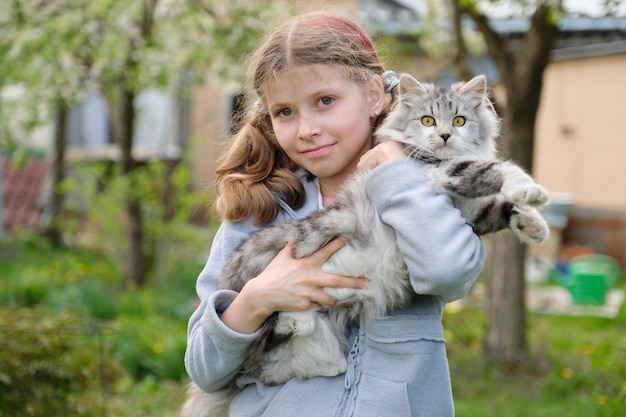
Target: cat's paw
[333, 369]
[295, 323]
[529, 226]
[531, 195]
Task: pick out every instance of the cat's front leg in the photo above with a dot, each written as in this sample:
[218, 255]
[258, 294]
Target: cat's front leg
[314, 348]
[296, 323]
[527, 194]
[320, 228]
[528, 224]
[520, 188]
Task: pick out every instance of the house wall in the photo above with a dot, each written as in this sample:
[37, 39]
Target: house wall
[580, 150]
[580, 144]
[210, 113]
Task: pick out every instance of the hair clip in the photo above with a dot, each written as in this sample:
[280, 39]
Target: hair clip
[259, 106]
[390, 80]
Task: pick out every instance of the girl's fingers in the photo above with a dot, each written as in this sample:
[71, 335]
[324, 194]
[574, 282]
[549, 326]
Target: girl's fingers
[383, 152]
[328, 249]
[343, 281]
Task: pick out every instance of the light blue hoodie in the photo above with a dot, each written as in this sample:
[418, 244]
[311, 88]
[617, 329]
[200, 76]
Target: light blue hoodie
[397, 365]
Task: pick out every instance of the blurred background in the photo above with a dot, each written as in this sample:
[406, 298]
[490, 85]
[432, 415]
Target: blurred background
[113, 114]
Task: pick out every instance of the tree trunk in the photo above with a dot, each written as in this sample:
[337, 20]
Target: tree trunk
[53, 229]
[522, 76]
[460, 66]
[135, 263]
[135, 269]
[505, 340]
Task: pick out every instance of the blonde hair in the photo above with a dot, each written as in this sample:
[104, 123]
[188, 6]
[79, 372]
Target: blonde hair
[254, 171]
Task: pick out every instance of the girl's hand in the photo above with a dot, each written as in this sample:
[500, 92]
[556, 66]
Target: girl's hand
[383, 152]
[287, 284]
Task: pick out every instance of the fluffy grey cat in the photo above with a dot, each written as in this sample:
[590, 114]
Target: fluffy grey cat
[452, 132]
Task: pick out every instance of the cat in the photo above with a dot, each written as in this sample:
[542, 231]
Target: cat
[452, 132]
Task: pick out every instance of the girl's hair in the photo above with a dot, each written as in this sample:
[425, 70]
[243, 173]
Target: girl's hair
[255, 171]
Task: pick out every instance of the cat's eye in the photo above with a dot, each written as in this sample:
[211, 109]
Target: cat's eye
[428, 121]
[458, 121]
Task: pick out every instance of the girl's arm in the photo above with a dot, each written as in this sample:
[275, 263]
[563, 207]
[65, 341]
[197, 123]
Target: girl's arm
[226, 322]
[214, 351]
[443, 254]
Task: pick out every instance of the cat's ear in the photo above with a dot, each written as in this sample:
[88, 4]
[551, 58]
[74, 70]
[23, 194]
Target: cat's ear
[411, 91]
[409, 85]
[476, 86]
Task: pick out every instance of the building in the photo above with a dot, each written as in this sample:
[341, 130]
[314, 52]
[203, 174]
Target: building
[580, 150]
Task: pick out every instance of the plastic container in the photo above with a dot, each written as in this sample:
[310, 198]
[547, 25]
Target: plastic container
[589, 278]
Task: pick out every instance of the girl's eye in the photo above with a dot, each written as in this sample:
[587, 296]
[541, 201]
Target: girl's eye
[325, 101]
[286, 112]
[458, 121]
[428, 121]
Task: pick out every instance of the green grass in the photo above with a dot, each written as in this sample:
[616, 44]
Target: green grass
[576, 365]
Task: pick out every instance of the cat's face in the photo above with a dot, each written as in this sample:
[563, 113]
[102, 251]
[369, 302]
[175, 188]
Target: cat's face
[452, 122]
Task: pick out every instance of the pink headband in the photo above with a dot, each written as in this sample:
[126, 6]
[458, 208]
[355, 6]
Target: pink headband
[345, 27]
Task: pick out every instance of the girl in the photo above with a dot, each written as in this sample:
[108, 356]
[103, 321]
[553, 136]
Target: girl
[321, 95]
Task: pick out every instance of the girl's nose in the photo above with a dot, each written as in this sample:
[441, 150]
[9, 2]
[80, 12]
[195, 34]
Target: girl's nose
[307, 127]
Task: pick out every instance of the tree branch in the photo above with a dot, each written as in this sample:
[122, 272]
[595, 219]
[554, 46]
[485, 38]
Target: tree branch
[203, 7]
[538, 44]
[501, 54]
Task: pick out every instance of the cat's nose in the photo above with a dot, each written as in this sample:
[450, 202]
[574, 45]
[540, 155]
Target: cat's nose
[445, 137]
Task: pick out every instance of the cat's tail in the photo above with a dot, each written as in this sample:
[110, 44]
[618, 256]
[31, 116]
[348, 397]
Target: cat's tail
[203, 404]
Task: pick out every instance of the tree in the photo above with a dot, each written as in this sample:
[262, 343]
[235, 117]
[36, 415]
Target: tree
[31, 59]
[119, 48]
[521, 71]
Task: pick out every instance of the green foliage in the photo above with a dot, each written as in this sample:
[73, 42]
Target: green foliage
[577, 368]
[114, 46]
[149, 397]
[152, 346]
[147, 326]
[53, 364]
[99, 193]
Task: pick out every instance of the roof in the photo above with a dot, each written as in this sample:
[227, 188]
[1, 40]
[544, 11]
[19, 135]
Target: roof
[21, 190]
[589, 50]
[569, 24]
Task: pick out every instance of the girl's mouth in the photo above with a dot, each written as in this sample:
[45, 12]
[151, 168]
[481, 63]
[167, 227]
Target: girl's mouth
[318, 151]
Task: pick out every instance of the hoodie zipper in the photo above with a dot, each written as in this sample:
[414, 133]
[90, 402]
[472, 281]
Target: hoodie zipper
[350, 376]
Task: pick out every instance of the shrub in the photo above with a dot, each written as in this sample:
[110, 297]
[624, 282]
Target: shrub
[53, 364]
[152, 346]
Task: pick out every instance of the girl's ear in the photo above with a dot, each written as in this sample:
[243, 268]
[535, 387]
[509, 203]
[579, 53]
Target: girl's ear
[376, 96]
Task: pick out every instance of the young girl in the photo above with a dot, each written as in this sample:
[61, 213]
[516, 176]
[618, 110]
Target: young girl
[321, 95]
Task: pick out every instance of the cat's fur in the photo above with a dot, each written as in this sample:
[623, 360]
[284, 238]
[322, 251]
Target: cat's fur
[458, 161]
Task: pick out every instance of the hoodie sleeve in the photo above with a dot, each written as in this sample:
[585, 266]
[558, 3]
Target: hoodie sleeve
[214, 351]
[443, 254]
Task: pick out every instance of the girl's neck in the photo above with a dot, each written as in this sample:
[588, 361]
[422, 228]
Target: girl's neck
[329, 189]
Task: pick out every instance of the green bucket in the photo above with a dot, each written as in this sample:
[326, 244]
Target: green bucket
[589, 278]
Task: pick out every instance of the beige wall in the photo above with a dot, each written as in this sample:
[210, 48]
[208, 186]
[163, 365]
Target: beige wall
[580, 143]
[209, 124]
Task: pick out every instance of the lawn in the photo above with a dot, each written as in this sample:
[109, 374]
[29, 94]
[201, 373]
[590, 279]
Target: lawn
[576, 365]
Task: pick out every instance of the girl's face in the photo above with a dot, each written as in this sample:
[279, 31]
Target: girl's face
[322, 119]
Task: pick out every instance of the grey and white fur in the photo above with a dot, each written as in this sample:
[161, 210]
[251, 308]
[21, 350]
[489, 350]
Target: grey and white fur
[452, 132]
